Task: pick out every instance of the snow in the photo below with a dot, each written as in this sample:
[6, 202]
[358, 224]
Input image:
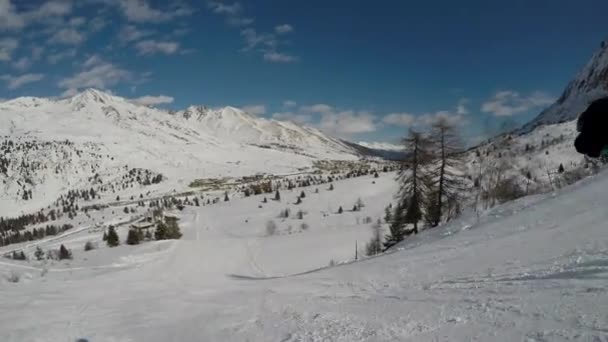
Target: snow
[531, 270]
[108, 134]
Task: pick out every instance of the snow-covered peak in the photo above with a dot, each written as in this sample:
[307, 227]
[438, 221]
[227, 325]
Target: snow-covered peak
[590, 84]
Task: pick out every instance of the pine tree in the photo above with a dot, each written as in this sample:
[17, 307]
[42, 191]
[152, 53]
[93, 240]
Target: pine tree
[64, 253]
[161, 231]
[39, 253]
[126, 210]
[133, 237]
[388, 215]
[277, 196]
[340, 210]
[302, 194]
[226, 199]
[374, 246]
[413, 176]
[397, 227]
[560, 169]
[265, 200]
[331, 187]
[112, 239]
[444, 179]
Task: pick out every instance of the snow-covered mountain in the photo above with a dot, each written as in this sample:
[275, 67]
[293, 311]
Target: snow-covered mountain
[51, 146]
[590, 84]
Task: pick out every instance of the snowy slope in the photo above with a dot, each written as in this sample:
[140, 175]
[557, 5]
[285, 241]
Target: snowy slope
[104, 134]
[590, 84]
[531, 270]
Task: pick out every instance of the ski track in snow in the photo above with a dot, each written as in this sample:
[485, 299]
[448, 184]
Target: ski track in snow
[532, 270]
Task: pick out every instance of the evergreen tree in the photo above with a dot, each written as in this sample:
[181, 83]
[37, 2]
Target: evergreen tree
[374, 246]
[126, 210]
[413, 176]
[105, 236]
[340, 210]
[302, 194]
[331, 187]
[112, 239]
[64, 253]
[388, 215]
[560, 169]
[133, 237]
[277, 196]
[265, 200]
[444, 180]
[226, 199]
[397, 227]
[39, 253]
[161, 231]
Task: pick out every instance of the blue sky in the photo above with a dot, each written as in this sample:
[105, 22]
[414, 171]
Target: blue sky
[357, 69]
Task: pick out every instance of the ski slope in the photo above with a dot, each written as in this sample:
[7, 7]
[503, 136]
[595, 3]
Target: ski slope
[532, 270]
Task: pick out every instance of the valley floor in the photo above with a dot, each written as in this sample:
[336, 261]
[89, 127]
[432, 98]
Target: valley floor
[534, 270]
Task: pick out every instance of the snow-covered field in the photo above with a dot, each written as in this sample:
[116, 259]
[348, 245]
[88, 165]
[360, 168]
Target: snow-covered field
[534, 270]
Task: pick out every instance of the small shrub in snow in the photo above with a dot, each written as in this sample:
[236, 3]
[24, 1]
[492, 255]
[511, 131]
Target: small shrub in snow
[39, 253]
[284, 213]
[13, 277]
[112, 239]
[89, 246]
[133, 237]
[64, 253]
[271, 228]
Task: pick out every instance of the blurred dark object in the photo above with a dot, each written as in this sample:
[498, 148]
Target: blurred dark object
[593, 127]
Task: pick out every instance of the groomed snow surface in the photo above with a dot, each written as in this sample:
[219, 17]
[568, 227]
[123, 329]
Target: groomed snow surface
[532, 270]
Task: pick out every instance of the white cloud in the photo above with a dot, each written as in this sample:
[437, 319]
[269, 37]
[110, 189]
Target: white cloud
[347, 123]
[57, 57]
[255, 109]
[232, 12]
[11, 19]
[78, 21]
[253, 39]
[131, 33]
[223, 8]
[318, 108]
[399, 119]
[14, 82]
[283, 29]
[273, 56]
[68, 36]
[7, 46]
[450, 118]
[95, 73]
[151, 47]
[97, 24]
[140, 11]
[22, 63]
[153, 100]
[509, 103]
[289, 103]
[462, 108]
[298, 118]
